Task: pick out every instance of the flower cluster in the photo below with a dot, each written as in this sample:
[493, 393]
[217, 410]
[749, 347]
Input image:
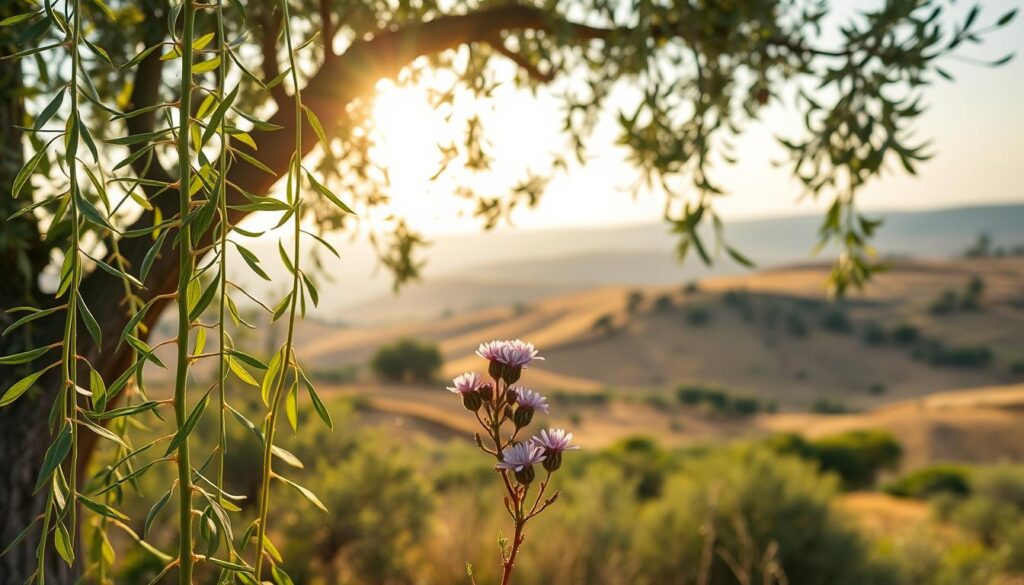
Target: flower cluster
[498, 402]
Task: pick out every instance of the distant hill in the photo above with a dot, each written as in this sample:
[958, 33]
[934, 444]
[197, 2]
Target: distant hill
[474, 271]
[769, 334]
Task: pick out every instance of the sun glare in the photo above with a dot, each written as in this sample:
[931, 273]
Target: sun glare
[407, 135]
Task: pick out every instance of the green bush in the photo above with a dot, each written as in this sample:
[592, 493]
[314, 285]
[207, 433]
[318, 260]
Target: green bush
[664, 303]
[342, 375]
[828, 406]
[751, 503]
[698, 316]
[905, 334]
[634, 300]
[939, 354]
[836, 320]
[796, 325]
[856, 457]
[407, 360]
[874, 334]
[930, 481]
[717, 401]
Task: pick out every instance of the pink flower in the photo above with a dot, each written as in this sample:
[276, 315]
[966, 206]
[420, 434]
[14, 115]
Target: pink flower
[529, 399]
[466, 383]
[491, 351]
[521, 455]
[516, 353]
[554, 441]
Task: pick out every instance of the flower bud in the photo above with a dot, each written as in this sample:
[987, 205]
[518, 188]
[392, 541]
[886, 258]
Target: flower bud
[553, 461]
[522, 417]
[472, 401]
[486, 390]
[525, 475]
[511, 374]
[495, 369]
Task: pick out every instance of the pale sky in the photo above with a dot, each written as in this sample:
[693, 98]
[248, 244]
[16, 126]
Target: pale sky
[976, 124]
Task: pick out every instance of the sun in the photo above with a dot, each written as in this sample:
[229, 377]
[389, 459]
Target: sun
[407, 134]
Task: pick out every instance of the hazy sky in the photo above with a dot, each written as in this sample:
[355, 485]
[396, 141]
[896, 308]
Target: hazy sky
[976, 123]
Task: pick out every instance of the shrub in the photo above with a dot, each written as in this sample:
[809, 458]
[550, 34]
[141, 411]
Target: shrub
[634, 300]
[874, 334]
[945, 303]
[1017, 368]
[698, 316]
[664, 303]
[718, 401]
[691, 287]
[976, 356]
[604, 324]
[972, 295]
[836, 320]
[341, 375]
[931, 481]
[796, 325]
[877, 389]
[828, 406]
[407, 360]
[856, 456]
[905, 334]
[752, 503]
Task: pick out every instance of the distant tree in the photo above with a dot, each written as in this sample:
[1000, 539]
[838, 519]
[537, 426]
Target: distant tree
[634, 300]
[407, 360]
[604, 324]
[982, 247]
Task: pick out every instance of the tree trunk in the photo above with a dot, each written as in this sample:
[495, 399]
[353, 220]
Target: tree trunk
[24, 435]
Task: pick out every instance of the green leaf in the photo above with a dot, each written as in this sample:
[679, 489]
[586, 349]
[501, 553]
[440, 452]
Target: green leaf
[159, 505]
[317, 126]
[241, 372]
[49, 110]
[36, 314]
[286, 456]
[126, 410]
[318, 404]
[102, 509]
[62, 542]
[90, 322]
[218, 116]
[328, 194]
[270, 377]
[252, 261]
[291, 407]
[306, 493]
[206, 66]
[12, 20]
[98, 389]
[116, 272]
[19, 388]
[739, 257]
[248, 359]
[55, 455]
[186, 429]
[25, 173]
[25, 356]
[205, 300]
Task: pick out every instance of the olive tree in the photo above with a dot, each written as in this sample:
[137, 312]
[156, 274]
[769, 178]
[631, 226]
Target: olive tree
[135, 135]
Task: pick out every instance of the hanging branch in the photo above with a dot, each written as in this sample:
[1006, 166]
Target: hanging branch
[186, 265]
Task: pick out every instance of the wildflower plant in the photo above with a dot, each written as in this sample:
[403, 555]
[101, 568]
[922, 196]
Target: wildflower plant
[504, 410]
